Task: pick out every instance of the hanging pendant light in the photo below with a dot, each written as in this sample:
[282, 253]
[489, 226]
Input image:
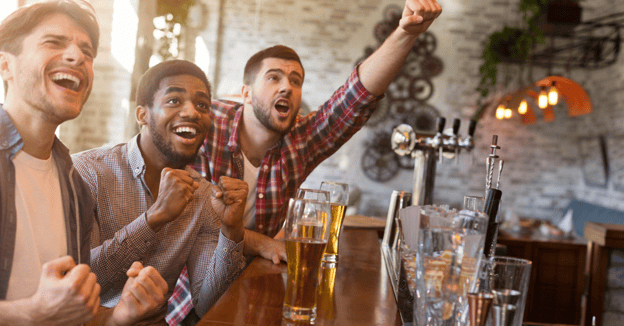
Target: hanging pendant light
[500, 112]
[553, 95]
[508, 113]
[523, 107]
[542, 100]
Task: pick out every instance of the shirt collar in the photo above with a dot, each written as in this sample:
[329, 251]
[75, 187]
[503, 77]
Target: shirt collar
[10, 139]
[134, 157]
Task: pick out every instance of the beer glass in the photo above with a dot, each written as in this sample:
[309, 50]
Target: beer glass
[306, 232]
[338, 196]
[314, 194]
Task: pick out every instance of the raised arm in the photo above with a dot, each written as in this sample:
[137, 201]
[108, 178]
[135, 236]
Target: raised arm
[380, 68]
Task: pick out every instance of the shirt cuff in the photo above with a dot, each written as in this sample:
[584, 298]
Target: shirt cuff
[228, 246]
[139, 234]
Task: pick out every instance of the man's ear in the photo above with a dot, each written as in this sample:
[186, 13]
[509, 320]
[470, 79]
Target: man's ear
[6, 64]
[142, 114]
[247, 93]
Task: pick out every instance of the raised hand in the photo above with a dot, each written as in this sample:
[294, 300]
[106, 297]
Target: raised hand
[175, 191]
[418, 15]
[228, 200]
[68, 294]
[142, 296]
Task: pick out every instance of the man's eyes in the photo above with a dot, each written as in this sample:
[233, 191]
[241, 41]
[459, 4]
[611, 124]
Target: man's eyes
[173, 100]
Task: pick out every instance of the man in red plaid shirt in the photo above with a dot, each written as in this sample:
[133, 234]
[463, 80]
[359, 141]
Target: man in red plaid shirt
[265, 142]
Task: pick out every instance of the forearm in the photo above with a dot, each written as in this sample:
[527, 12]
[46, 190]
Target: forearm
[111, 259]
[255, 243]
[380, 68]
[226, 264]
[18, 312]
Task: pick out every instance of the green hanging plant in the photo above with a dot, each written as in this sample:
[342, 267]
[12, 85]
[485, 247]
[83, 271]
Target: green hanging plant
[511, 44]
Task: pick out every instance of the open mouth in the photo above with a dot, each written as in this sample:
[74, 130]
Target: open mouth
[282, 106]
[68, 81]
[186, 132]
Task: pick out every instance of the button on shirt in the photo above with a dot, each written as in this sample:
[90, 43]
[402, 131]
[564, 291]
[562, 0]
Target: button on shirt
[121, 236]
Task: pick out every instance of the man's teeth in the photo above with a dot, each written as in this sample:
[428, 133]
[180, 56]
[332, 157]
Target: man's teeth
[190, 130]
[282, 102]
[62, 76]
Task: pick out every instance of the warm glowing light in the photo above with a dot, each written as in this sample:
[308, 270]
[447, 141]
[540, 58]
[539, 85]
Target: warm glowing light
[553, 95]
[508, 113]
[500, 112]
[523, 107]
[542, 100]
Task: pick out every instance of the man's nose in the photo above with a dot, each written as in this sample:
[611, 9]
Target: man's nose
[189, 110]
[73, 54]
[286, 87]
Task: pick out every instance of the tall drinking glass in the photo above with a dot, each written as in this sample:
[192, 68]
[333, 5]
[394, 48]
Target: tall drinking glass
[509, 281]
[438, 275]
[314, 194]
[306, 232]
[338, 196]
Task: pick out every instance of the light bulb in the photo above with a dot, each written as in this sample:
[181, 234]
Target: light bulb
[523, 108]
[500, 112]
[553, 95]
[542, 100]
[508, 113]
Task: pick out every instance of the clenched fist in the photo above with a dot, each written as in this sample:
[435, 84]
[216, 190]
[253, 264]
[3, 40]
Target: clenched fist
[228, 200]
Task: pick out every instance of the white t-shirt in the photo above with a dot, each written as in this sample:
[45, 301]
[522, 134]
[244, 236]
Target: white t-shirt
[251, 177]
[40, 235]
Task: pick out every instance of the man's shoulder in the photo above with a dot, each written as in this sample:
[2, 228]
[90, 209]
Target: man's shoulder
[99, 158]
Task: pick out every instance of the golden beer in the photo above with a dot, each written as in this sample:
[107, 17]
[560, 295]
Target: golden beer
[304, 264]
[337, 215]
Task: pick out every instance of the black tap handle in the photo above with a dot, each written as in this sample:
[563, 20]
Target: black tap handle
[471, 127]
[456, 123]
[441, 123]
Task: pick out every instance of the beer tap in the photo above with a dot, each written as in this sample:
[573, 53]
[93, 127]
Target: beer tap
[427, 150]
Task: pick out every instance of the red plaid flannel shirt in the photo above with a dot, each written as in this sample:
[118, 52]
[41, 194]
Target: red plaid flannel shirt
[286, 165]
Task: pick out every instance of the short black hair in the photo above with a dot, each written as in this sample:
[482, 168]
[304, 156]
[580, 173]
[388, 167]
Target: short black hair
[15, 27]
[255, 62]
[150, 81]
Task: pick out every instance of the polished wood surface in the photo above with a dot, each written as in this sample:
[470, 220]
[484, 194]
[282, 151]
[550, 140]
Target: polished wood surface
[557, 275]
[362, 294]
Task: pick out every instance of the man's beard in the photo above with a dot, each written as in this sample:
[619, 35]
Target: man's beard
[263, 114]
[178, 160]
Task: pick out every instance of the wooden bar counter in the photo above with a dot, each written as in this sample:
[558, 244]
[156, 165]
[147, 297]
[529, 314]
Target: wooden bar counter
[362, 292]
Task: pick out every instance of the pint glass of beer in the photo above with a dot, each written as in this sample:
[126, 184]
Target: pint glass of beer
[306, 232]
[339, 197]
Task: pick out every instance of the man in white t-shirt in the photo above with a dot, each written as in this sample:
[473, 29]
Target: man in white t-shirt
[46, 211]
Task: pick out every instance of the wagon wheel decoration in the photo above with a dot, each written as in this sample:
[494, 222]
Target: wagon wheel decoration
[383, 30]
[431, 66]
[426, 44]
[393, 13]
[379, 162]
[424, 118]
[400, 88]
[421, 89]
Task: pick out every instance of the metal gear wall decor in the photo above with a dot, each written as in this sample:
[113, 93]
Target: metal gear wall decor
[405, 100]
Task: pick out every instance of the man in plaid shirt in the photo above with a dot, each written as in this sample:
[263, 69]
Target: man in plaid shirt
[264, 140]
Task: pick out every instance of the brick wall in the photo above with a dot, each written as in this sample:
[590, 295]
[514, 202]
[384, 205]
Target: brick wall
[543, 171]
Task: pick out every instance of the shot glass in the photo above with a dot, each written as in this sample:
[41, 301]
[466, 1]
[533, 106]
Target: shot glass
[306, 232]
